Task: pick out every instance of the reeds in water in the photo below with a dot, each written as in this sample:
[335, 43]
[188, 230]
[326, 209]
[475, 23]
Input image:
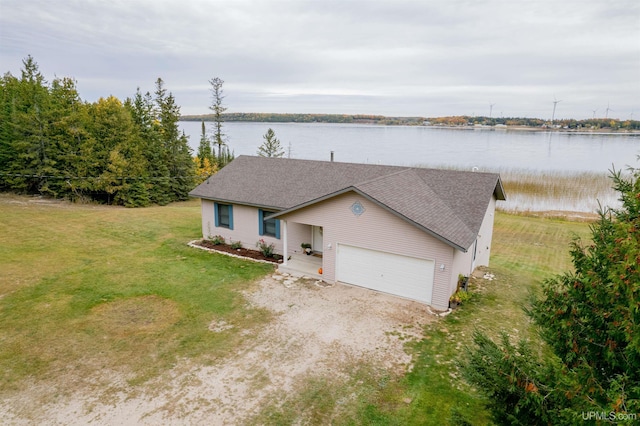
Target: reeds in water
[534, 191]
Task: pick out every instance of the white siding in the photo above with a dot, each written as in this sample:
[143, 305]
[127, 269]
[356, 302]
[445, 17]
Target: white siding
[463, 262]
[245, 226]
[376, 229]
[485, 236]
[298, 233]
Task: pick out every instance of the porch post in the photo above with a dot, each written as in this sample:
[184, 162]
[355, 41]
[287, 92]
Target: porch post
[284, 242]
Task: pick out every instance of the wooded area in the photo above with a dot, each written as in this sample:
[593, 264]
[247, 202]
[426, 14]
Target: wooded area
[52, 143]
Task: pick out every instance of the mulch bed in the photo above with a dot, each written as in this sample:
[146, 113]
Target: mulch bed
[243, 252]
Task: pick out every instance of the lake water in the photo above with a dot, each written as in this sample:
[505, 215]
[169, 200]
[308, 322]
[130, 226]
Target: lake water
[491, 150]
[433, 147]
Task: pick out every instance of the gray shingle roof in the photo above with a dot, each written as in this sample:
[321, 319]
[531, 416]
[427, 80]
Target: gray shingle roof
[445, 203]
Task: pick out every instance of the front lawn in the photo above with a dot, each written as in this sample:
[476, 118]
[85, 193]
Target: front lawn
[85, 288]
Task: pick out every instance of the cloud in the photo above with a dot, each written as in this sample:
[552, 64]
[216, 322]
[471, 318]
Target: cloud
[391, 57]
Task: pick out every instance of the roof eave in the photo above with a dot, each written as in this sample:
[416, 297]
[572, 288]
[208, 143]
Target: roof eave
[373, 200]
[242, 203]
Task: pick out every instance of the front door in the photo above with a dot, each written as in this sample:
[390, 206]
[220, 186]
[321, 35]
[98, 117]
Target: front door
[316, 238]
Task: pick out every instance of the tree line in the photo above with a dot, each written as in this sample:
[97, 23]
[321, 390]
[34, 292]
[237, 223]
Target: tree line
[459, 120]
[307, 118]
[129, 153]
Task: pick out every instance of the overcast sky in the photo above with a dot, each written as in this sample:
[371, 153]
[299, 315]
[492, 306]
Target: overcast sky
[424, 58]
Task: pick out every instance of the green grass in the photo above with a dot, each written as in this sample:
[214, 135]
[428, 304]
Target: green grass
[525, 251]
[89, 287]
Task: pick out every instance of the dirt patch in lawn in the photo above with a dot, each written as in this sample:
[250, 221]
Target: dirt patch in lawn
[134, 316]
[320, 334]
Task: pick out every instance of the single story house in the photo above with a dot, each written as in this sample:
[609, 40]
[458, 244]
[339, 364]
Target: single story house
[407, 231]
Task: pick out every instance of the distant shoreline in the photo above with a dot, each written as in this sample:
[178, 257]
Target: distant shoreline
[606, 131]
[588, 126]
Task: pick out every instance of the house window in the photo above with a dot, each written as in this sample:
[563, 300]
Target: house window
[268, 227]
[223, 215]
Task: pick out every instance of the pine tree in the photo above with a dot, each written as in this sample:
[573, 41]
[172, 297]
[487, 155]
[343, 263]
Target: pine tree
[589, 318]
[32, 160]
[8, 93]
[176, 146]
[156, 179]
[68, 136]
[218, 109]
[204, 148]
[271, 146]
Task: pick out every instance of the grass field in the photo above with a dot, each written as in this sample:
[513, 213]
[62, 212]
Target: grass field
[87, 288]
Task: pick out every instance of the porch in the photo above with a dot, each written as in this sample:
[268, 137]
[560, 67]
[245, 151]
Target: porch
[302, 265]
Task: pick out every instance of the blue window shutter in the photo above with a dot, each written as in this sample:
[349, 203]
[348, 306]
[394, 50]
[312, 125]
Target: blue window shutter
[231, 217]
[215, 214]
[260, 222]
[277, 229]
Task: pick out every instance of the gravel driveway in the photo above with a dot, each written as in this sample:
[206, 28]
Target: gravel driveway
[317, 331]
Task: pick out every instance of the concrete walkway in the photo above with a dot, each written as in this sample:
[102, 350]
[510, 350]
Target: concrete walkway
[301, 265]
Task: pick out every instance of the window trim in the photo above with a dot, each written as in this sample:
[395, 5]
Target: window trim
[261, 224]
[216, 213]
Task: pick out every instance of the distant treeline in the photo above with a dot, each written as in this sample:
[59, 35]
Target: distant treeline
[588, 124]
[455, 121]
[308, 118]
[130, 153]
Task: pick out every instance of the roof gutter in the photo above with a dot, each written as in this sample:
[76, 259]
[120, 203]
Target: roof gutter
[373, 200]
[240, 203]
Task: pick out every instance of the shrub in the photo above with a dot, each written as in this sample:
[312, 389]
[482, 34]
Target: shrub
[236, 245]
[217, 240]
[265, 249]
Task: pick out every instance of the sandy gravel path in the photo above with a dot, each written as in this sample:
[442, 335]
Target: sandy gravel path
[317, 331]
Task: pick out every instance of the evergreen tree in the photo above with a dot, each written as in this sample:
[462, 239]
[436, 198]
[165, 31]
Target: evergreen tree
[53, 143]
[590, 318]
[8, 93]
[271, 146]
[68, 136]
[32, 160]
[226, 156]
[156, 179]
[176, 146]
[218, 109]
[204, 149]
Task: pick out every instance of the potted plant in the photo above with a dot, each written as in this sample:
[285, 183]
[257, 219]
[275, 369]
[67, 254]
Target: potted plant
[306, 247]
[463, 281]
[458, 298]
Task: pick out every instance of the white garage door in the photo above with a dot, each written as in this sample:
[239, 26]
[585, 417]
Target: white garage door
[391, 273]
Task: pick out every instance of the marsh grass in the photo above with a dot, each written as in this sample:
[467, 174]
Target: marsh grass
[552, 190]
[560, 191]
[86, 289]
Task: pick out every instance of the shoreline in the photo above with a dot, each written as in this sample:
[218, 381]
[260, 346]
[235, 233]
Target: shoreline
[540, 129]
[480, 127]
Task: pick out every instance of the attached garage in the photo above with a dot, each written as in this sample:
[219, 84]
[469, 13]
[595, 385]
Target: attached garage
[404, 276]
